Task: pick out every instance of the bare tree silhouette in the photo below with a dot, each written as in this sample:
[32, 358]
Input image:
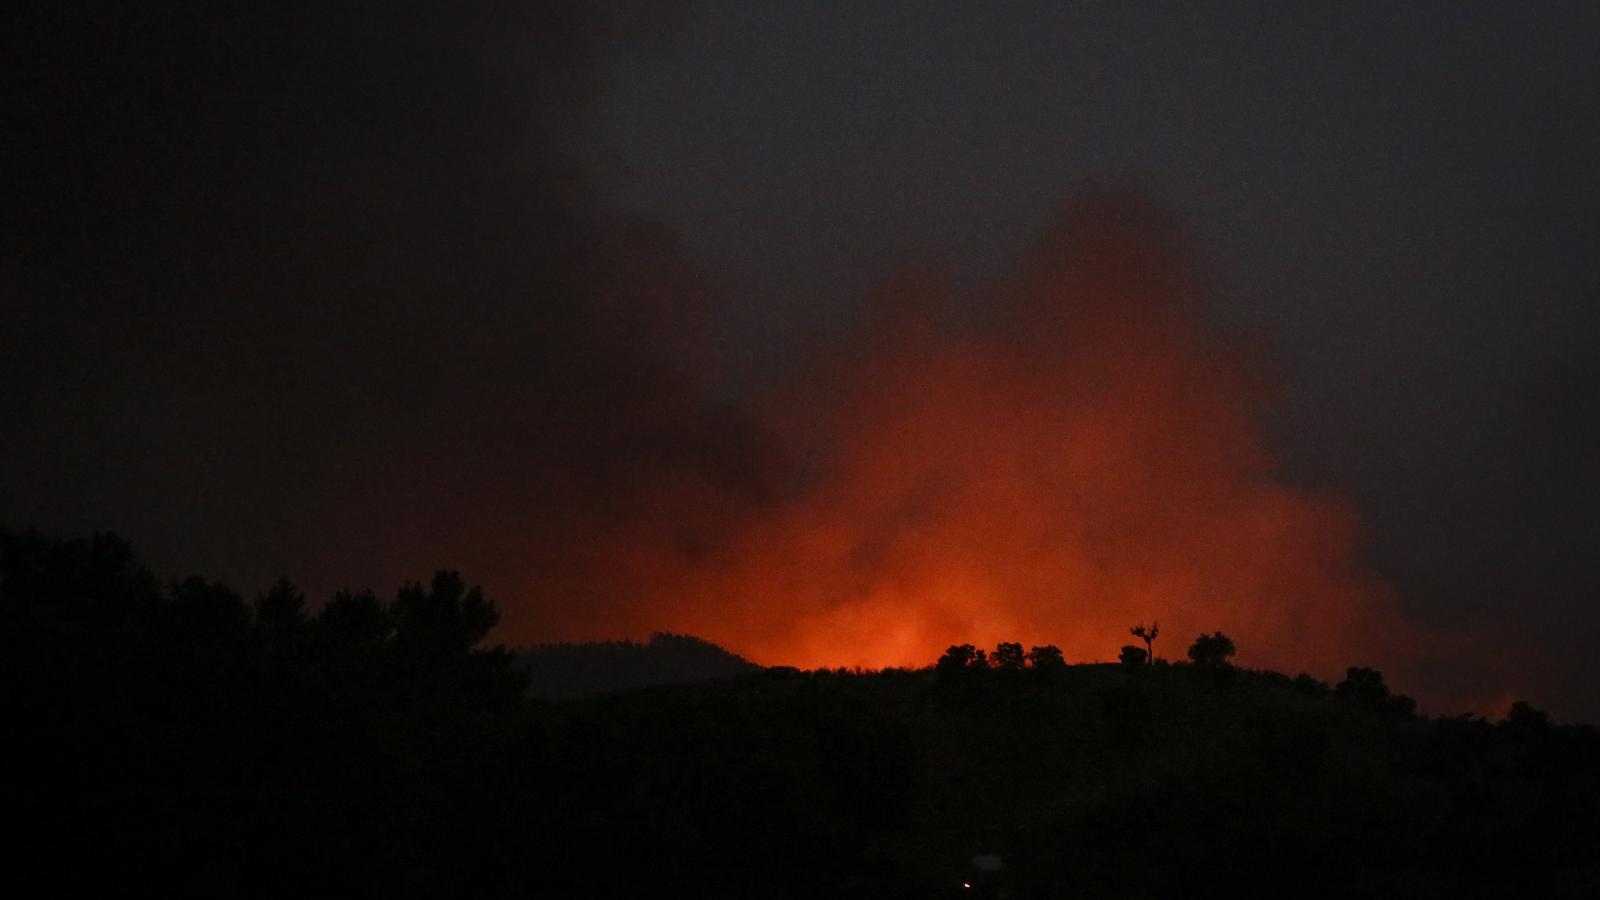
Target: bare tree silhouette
[1148, 635]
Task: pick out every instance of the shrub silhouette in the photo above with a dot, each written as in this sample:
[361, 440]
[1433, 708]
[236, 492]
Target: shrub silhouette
[1132, 656]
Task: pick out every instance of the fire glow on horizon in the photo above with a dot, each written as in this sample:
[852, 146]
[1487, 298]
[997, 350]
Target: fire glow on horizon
[1091, 460]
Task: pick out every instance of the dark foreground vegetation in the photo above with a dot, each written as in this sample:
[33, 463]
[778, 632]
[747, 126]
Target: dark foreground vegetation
[176, 737]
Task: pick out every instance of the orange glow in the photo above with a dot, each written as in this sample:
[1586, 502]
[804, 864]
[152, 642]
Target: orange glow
[1091, 461]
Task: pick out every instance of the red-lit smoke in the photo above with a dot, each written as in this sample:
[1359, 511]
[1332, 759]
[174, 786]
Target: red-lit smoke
[1088, 458]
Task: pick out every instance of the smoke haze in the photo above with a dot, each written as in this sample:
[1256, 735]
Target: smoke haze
[1088, 458]
[327, 291]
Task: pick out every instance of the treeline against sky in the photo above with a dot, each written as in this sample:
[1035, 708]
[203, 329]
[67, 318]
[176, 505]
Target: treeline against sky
[182, 735]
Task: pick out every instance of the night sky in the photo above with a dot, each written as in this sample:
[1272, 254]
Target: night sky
[834, 332]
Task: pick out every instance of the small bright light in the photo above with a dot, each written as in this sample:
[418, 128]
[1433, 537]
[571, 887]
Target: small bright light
[966, 884]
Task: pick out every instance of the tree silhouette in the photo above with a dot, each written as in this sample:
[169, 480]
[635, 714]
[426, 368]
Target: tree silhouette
[1362, 686]
[1365, 688]
[1527, 717]
[1132, 656]
[1009, 657]
[280, 612]
[959, 658]
[208, 607]
[1046, 659]
[1312, 687]
[1148, 635]
[1211, 649]
[73, 577]
[354, 620]
[447, 618]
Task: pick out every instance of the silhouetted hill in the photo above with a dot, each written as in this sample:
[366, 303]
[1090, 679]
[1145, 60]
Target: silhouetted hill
[174, 733]
[572, 670]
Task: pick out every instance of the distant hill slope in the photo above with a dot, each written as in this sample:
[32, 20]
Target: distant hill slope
[571, 671]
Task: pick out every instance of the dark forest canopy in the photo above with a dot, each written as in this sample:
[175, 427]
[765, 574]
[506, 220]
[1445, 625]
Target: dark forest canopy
[182, 734]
